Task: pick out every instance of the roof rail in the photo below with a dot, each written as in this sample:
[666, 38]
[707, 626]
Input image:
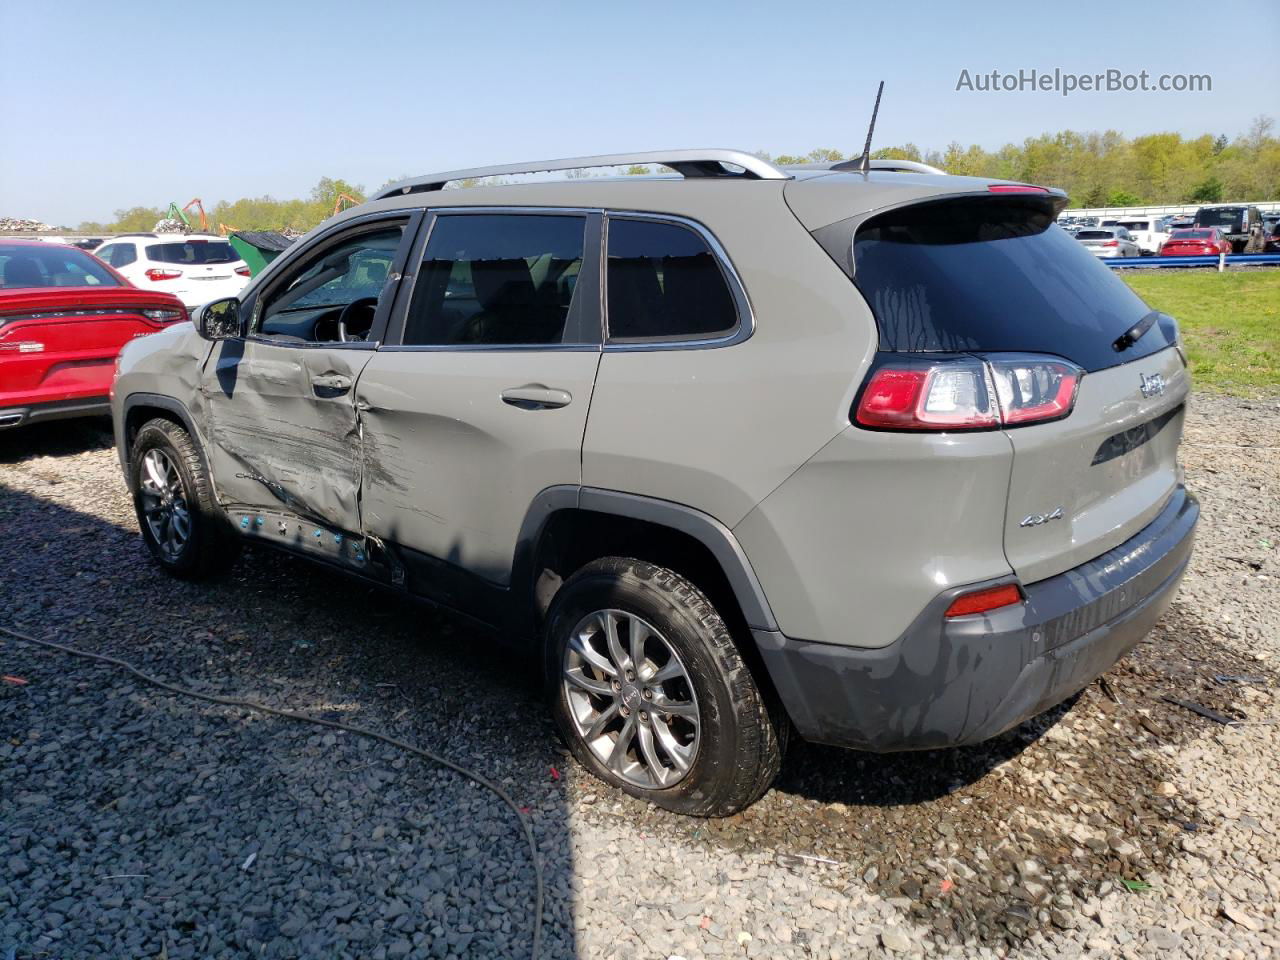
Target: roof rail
[688, 163]
[903, 166]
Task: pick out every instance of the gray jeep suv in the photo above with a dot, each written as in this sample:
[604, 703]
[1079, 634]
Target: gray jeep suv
[882, 457]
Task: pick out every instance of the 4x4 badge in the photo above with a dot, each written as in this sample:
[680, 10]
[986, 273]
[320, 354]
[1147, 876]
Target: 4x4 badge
[1035, 519]
[1152, 384]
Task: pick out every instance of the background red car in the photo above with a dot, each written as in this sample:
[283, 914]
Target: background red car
[64, 315]
[1195, 242]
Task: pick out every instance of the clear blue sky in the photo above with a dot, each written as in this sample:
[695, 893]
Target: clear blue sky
[101, 111]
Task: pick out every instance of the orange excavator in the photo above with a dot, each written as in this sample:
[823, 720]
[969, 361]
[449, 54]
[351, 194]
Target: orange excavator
[343, 201]
[204, 220]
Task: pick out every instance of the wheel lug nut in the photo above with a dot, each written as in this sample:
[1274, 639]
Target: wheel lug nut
[624, 711]
[648, 694]
[644, 716]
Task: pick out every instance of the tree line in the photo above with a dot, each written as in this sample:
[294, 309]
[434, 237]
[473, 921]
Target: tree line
[1096, 169]
[1112, 170]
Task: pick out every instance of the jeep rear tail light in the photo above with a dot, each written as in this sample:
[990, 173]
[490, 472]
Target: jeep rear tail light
[980, 601]
[951, 395]
[967, 393]
[1033, 389]
[159, 273]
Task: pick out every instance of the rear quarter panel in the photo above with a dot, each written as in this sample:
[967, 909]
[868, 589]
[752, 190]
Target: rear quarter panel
[719, 428]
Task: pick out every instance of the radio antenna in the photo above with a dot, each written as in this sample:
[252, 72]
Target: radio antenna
[866, 150]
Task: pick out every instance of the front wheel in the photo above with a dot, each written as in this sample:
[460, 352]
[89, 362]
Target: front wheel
[652, 695]
[173, 499]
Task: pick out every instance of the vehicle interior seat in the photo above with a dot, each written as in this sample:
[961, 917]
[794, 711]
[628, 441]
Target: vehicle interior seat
[23, 272]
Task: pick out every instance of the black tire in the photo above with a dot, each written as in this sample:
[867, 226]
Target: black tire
[212, 546]
[741, 740]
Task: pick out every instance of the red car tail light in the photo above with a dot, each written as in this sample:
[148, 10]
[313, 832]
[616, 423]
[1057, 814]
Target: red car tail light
[165, 315]
[243, 271]
[980, 601]
[159, 273]
[1015, 188]
[1112, 243]
[967, 393]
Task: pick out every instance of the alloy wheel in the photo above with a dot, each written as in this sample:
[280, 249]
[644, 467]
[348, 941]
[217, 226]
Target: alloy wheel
[631, 699]
[164, 504]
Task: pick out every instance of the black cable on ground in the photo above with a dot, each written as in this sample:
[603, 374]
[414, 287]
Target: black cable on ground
[359, 731]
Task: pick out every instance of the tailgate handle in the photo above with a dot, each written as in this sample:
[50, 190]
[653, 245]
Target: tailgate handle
[330, 385]
[535, 396]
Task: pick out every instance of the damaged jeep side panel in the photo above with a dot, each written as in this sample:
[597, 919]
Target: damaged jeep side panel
[282, 428]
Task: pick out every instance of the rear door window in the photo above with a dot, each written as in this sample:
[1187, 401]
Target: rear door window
[665, 283]
[499, 280]
[989, 274]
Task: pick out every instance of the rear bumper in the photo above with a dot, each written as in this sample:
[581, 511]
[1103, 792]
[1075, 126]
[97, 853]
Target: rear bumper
[960, 681]
[20, 416]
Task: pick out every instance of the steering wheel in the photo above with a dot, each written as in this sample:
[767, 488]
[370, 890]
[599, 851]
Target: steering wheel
[369, 304]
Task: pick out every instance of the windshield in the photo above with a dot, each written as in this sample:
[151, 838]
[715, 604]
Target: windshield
[193, 252]
[994, 274]
[51, 265]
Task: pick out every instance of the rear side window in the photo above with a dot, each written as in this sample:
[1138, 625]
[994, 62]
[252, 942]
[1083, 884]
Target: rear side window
[664, 283]
[118, 254]
[57, 266]
[993, 274]
[497, 279]
[192, 252]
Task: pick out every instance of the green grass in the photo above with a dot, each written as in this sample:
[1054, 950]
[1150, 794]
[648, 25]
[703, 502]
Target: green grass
[1230, 322]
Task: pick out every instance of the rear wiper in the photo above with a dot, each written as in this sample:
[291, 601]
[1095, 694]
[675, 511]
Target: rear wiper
[1135, 333]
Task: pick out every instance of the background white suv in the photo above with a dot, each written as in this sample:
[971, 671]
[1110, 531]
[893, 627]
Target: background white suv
[195, 268]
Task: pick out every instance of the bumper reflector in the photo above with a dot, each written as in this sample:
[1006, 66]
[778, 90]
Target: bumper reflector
[980, 601]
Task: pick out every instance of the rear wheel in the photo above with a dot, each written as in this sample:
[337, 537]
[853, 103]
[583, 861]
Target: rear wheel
[173, 499]
[652, 695]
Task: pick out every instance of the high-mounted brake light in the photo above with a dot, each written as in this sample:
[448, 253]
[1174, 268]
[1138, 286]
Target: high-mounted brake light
[967, 393]
[981, 601]
[1015, 188]
[159, 273]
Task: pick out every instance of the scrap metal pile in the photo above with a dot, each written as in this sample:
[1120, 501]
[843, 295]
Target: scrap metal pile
[21, 224]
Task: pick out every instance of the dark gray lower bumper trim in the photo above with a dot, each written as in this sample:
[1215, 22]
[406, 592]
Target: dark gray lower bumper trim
[951, 682]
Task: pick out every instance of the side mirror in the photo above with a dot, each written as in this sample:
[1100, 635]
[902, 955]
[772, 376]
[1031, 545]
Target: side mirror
[219, 320]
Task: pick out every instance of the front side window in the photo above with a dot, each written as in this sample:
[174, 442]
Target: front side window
[664, 283]
[333, 295]
[497, 279]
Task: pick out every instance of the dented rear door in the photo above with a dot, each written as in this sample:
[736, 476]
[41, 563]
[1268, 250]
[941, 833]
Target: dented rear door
[283, 432]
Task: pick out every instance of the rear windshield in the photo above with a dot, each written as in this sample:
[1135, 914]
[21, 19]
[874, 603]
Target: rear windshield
[1096, 235]
[51, 265]
[193, 251]
[994, 274]
[1220, 217]
[1191, 235]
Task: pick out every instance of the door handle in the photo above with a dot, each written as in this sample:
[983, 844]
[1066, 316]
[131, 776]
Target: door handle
[535, 396]
[330, 385]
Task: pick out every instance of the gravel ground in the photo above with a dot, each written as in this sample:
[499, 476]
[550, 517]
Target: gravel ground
[134, 823]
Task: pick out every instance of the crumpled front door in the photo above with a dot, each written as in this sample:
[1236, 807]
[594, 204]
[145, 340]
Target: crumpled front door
[283, 430]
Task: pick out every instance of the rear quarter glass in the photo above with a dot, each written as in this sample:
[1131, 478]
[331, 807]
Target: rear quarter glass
[995, 274]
